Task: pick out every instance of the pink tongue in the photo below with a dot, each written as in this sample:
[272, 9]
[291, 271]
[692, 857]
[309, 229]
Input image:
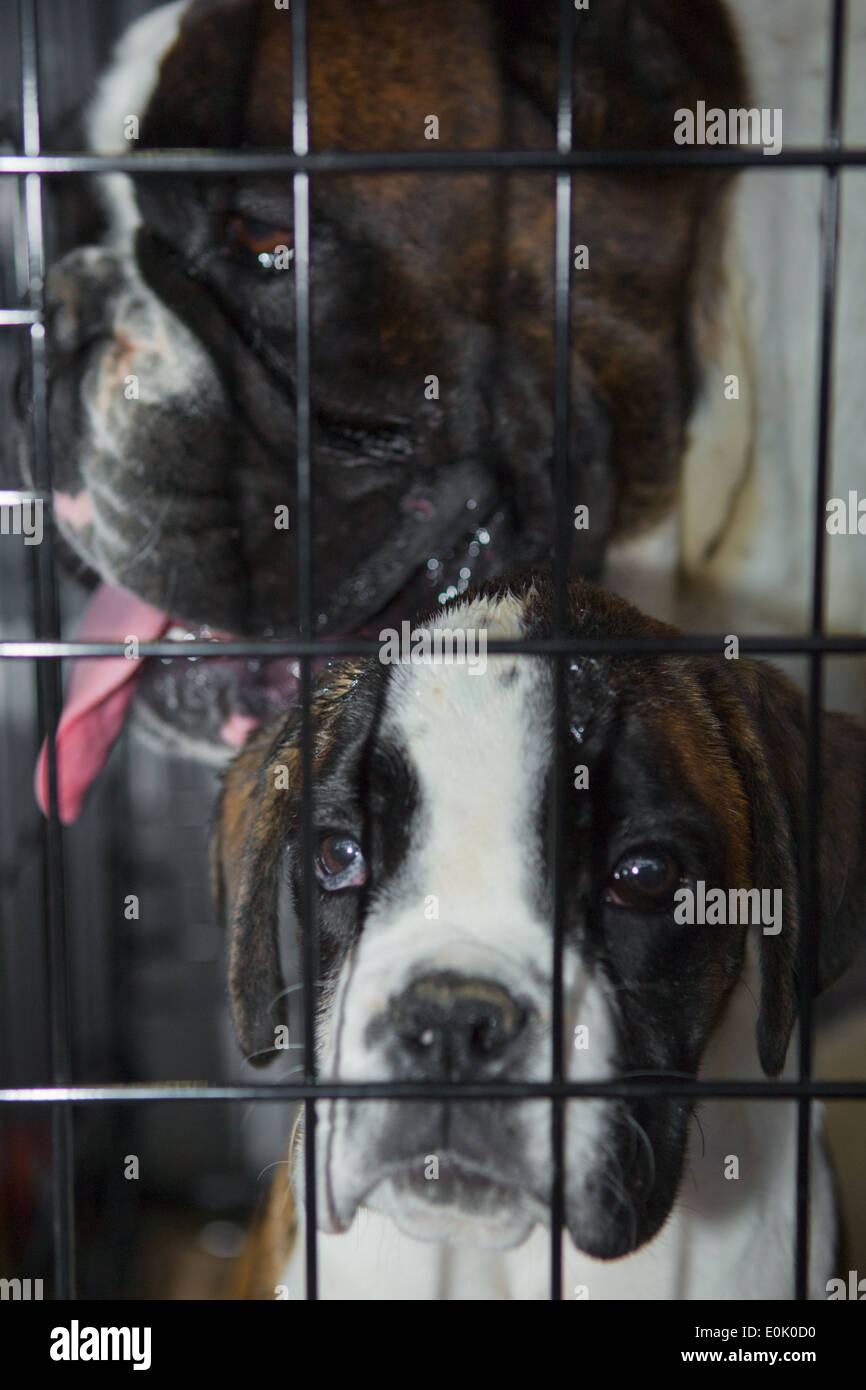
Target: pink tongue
[98, 696]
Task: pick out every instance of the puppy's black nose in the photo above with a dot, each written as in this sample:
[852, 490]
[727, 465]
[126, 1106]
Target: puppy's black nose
[456, 1028]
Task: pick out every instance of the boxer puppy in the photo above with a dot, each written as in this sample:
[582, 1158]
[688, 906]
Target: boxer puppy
[172, 343]
[432, 903]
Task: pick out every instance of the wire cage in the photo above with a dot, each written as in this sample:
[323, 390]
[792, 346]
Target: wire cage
[67, 1101]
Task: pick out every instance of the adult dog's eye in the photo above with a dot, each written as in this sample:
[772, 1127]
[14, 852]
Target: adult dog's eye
[270, 244]
[340, 863]
[646, 879]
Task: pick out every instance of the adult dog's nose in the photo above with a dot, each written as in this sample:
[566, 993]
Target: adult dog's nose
[456, 1028]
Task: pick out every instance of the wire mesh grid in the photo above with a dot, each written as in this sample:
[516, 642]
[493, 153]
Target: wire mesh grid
[48, 650]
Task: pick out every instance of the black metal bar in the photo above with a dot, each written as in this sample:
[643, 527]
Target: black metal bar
[641, 1084]
[697, 645]
[10, 318]
[154, 162]
[301, 201]
[809, 905]
[48, 692]
[561, 549]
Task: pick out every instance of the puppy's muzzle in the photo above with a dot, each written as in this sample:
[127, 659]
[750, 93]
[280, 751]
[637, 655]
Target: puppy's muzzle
[454, 1028]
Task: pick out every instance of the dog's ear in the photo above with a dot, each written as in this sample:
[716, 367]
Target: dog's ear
[768, 740]
[252, 821]
[257, 810]
[636, 61]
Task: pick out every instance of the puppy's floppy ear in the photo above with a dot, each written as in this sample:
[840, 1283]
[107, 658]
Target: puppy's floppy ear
[769, 745]
[252, 821]
[257, 810]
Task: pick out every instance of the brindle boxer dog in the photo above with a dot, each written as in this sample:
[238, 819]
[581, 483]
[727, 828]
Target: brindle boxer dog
[431, 786]
[170, 496]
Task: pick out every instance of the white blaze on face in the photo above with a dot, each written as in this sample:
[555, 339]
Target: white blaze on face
[124, 90]
[479, 746]
[467, 897]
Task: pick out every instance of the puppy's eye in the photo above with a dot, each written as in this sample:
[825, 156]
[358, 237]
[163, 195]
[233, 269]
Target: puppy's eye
[267, 242]
[340, 863]
[646, 879]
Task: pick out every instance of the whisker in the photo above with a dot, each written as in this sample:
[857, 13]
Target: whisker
[277, 1163]
[283, 992]
[262, 1052]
